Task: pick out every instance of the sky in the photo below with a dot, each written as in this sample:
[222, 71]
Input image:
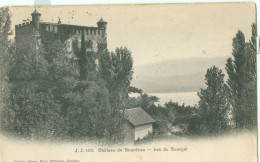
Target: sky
[159, 32]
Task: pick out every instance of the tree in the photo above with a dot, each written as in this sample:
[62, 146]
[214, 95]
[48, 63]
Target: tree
[62, 74]
[116, 69]
[83, 59]
[6, 62]
[37, 83]
[86, 62]
[252, 49]
[132, 89]
[6, 54]
[242, 80]
[32, 115]
[87, 113]
[213, 104]
[179, 114]
[251, 85]
[5, 25]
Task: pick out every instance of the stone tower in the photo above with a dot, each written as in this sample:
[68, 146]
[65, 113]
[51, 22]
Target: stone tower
[102, 24]
[27, 34]
[36, 18]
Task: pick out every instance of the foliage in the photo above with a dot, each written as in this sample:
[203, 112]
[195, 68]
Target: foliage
[144, 101]
[161, 124]
[147, 139]
[195, 124]
[132, 89]
[88, 104]
[170, 114]
[178, 114]
[6, 63]
[116, 69]
[6, 46]
[114, 128]
[241, 70]
[34, 115]
[213, 104]
[5, 24]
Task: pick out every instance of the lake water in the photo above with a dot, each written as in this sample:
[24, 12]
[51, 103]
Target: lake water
[188, 98]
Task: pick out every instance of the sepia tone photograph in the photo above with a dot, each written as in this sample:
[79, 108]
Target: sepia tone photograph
[161, 82]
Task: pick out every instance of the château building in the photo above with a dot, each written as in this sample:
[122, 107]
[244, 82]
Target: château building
[33, 31]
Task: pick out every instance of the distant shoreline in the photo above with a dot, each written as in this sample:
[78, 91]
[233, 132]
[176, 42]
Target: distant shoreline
[188, 98]
[174, 92]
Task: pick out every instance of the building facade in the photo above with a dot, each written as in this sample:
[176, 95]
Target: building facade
[35, 30]
[138, 124]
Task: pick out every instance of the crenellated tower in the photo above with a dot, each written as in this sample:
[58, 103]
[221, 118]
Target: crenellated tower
[27, 34]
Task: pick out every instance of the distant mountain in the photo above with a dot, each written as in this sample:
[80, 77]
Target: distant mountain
[179, 75]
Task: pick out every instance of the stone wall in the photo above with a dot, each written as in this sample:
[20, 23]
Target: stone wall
[26, 35]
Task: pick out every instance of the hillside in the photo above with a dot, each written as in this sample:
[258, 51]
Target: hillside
[180, 75]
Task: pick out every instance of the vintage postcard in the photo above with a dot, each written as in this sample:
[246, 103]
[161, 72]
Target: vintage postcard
[123, 83]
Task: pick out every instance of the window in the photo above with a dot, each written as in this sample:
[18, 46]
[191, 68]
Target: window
[55, 29]
[51, 28]
[68, 45]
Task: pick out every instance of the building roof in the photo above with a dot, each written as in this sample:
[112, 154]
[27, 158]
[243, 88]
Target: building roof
[137, 116]
[71, 25]
[102, 20]
[36, 12]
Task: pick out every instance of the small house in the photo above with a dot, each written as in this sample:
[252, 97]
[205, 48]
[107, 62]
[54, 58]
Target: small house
[138, 123]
